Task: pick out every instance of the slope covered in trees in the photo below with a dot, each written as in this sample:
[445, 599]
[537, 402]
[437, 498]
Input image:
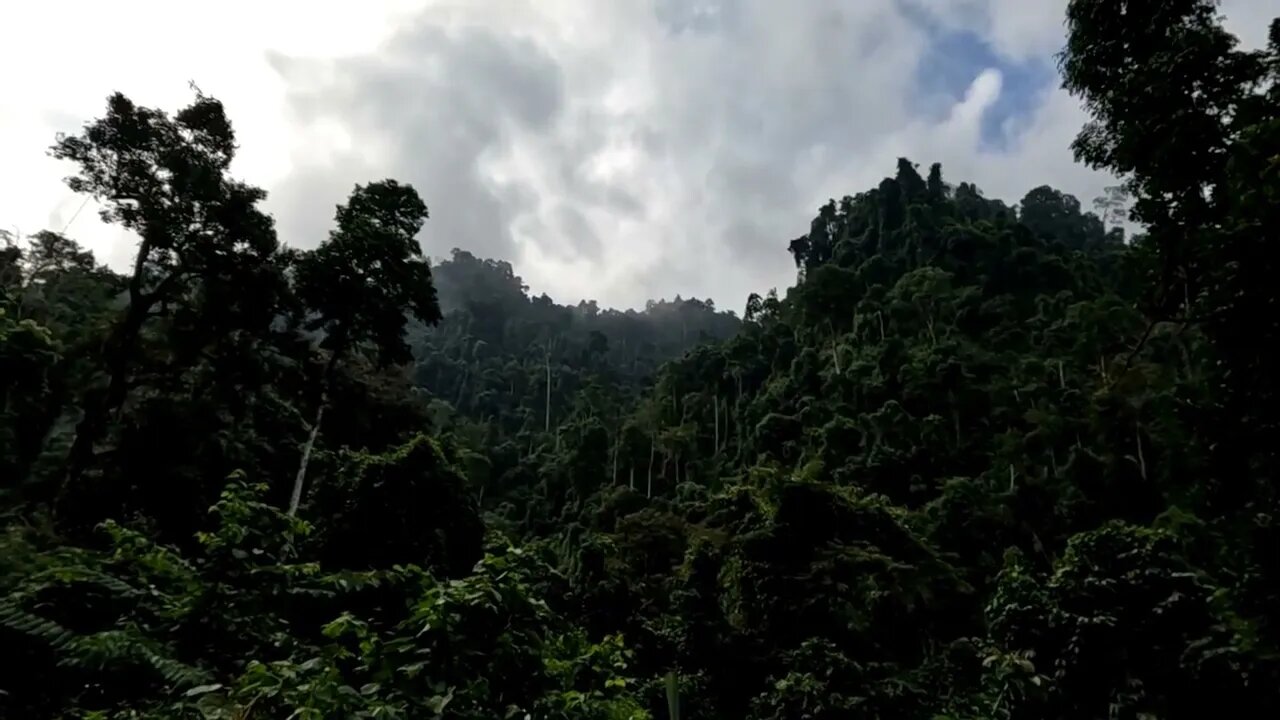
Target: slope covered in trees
[982, 460]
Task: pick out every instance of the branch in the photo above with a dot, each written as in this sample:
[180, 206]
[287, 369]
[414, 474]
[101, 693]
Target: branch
[1146, 335]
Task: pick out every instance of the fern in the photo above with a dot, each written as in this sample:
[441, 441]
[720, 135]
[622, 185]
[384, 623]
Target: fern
[177, 674]
[122, 648]
[23, 622]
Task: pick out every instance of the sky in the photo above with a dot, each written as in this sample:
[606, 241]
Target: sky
[616, 151]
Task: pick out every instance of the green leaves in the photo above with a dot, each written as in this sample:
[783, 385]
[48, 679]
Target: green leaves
[233, 625]
[361, 282]
[982, 461]
[410, 505]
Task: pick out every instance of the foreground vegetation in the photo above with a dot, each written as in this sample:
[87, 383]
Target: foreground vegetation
[981, 461]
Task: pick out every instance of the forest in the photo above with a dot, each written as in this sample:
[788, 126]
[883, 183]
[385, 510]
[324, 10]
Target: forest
[983, 460]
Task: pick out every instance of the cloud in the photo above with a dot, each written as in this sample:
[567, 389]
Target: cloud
[431, 108]
[616, 151]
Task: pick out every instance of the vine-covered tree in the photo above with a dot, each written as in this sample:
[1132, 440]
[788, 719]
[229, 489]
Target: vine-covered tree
[360, 283]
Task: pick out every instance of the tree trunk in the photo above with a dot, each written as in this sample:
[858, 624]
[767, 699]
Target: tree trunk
[835, 348]
[716, 412]
[724, 441]
[1142, 459]
[652, 449]
[296, 498]
[99, 405]
[325, 382]
[614, 474]
[547, 423]
[462, 388]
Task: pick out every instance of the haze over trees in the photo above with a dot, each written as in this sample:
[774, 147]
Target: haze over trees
[983, 460]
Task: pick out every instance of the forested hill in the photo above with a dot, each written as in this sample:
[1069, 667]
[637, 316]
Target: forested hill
[490, 354]
[510, 373]
[983, 460]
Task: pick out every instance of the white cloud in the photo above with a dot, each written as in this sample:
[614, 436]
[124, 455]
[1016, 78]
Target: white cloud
[618, 151]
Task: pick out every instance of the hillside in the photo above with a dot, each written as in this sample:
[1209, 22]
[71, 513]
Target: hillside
[984, 459]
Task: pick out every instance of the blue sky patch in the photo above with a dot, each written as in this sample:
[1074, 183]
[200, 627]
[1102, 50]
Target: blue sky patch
[952, 62]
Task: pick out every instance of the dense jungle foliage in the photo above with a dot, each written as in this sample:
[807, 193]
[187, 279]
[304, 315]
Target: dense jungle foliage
[982, 461]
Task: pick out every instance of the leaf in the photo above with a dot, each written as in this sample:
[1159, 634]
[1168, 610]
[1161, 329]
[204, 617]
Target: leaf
[437, 703]
[202, 689]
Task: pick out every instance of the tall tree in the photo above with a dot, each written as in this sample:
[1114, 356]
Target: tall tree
[164, 178]
[360, 283]
[1191, 123]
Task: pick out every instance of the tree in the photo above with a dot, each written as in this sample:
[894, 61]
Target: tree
[1112, 205]
[979, 461]
[28, 354]
[1052, 213]
[359, 284]
[1186, 118]
[51, 288]
[199, 232]
[1168, 93]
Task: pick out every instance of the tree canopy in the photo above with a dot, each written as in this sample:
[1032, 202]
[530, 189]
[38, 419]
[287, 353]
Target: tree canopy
[983, 459]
